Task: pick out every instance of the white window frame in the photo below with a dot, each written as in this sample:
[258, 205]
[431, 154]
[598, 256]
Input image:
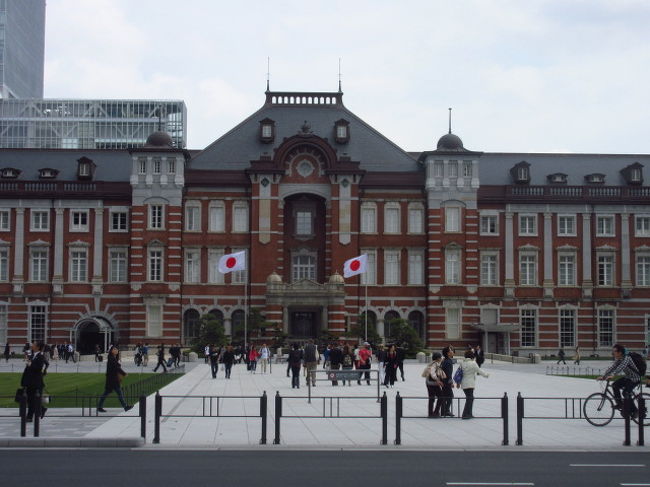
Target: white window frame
[574, 327]
[142, 165]
[216, 207]
[416, 263]
[267, 130]
[78, 226]
[392, 226]
[150, 267]
[611, 278]
[300, 270]
[452, 219]
[562, 232]
[239, 222]
[535, 257]
[453, 321]
[171, 165]
[453, 266]
[600, 316]
[604, 232]
[192, 266]
[193, 216]
[33, 220]
[468, 169]
[415, 218]
[642, 277]
[304, 226]
[368, 217]
[156, 166]
[644, 222]
[4, 264]
[118, 255]
[156, 222]
[370, 276]
[491, 278]
[33, 277]
[523, 314]
[32, 311]
[486, 229]
[5, 220]
[78, 272]
[572, 281]
[214, 276]
[154, 329]
[392, 257]
[111, 214]
[528, 232]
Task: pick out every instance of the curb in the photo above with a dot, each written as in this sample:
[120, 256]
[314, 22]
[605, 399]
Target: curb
[55, 442]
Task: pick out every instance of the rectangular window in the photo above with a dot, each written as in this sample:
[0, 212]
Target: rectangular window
[452, 219]
[240, 218]
[155, 265]
[3, 323]
[567, 327]
[154, 320]
[142, 165]
[605, 270]
[157, 165]
[605, 226]
[567, 270]
[79, 221]
[452, 323]
[528, 323]
[391, 267]
[489, 268]
[527, 269]
[341, 131]
[490, 316]
[642, 226]
[368, 219]
[4, 264]
[240, 277]
[156, 217]
[217, 217]
[416, 267]
[193, 266]
[214, 276]
[79, 265]
[489, 225]
[303, 267]
[452, 266]
[605, 327]
[267, 131]
[528, 225]
[391, 219]
[5, 220]
[566, 225]
[38, 268]
[118, 266]
[171, 166]
[119, 221]
[643, 270]
[40, 220]
[467, 169]
[453, 169]
[37, 322]
[438, 169]
[192, 218]
[304, 223]
[416, 220]
[370, 276]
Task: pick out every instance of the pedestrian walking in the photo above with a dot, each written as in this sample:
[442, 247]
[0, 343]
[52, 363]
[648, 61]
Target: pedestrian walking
[480, 356]
[228, 360]
[295, 361]
[145, 355]
[435, 377]
[265, 353]
[448, 383]
[576, 357]
[561, 356]
[252, 360]
[348, 362]
[365, 359]
[336, 359]
[468, 383]
[114, 377]
[161, 358]
[214, 360]
[7, 352]
[32, 378]
[401, 355]
[391, 364]
[311, 357]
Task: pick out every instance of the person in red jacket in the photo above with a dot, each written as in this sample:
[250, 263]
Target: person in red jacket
[365, 357]
[252, 359]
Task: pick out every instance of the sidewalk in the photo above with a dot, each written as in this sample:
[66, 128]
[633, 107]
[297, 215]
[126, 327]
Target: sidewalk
[188, 432]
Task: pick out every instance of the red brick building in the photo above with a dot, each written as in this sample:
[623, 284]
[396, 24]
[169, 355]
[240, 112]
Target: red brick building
[525, 252]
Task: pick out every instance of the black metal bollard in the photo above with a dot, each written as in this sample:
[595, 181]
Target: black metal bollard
[22, 410]
[627, 407]
[398, 419]
[158, 413]
[37, 414]
[504, 416]
[263, 414]
[278, 415]
[643, 414]
[142, 411]
[384, 419]
[520, 419]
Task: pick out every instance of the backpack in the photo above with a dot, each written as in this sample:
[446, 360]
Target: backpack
[427, 371]
[347, 360]
[458, 376]
[639, 363]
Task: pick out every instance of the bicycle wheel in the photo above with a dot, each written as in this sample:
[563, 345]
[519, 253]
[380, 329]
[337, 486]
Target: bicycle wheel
[643, 415]
[598, 409]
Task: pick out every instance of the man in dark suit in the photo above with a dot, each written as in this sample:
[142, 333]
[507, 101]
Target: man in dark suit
[32, 379]
[161, 358]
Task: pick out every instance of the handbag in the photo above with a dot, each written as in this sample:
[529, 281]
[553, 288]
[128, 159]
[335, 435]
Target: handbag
[458, 376]
[20, 393]
[427, 371]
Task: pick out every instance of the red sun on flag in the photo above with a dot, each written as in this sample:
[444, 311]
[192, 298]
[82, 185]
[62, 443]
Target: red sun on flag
[354, 265]
[231, 262]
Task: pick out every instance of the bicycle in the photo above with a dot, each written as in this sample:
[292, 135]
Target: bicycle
[599, 408]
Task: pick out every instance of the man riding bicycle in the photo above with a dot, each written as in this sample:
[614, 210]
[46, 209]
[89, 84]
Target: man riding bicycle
[623, 365]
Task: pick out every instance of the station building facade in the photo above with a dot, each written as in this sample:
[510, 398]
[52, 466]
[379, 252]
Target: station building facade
[523, 252]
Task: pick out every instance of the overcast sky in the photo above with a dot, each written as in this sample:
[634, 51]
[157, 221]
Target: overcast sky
[520, 75]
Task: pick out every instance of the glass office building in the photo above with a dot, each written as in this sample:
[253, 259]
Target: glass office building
[22, 48]
[89, 124]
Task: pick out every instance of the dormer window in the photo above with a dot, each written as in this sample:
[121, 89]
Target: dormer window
[341, 131]
[557, 178]
[633, 174]
[85, 168]
[10, 173]
[47, 173]
[267, 130]
[520, 173]
[595, 178]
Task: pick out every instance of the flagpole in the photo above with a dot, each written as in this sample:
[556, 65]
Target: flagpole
[366, 309]
[246, 309]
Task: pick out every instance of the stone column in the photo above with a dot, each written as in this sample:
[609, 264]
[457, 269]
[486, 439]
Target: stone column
[57, 279]
[227, 325]
[19, 251]
[587, 282]
[98, 246]
[548, 255]
[626, 279]
[509, 282]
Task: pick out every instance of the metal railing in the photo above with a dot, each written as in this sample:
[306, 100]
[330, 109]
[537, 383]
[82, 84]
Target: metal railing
[344, 375]
[332, 412]
[211, 407]
[399, 413]
[572, 370]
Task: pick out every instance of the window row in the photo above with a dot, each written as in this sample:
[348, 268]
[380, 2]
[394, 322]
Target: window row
[392, 218]
[216, 217]
[40, 220]
[156, 165]
[392, 267]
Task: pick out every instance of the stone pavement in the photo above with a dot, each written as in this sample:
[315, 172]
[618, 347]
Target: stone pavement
[224, 432]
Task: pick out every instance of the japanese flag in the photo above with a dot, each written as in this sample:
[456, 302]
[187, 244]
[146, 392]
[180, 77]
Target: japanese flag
[233, 262]
[355, 266]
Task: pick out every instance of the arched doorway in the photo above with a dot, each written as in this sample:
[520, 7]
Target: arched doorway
[416, 320]
[191, 326]
[93, 332]
[389, 317]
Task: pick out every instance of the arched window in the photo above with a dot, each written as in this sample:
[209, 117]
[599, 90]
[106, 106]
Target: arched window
[416, 320]
[218, 315]
[238, 322]
[372, 320]
[389, 317]
[191, 325]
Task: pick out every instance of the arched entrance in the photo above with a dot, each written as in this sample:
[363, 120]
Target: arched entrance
[191, 325]
[91, 332]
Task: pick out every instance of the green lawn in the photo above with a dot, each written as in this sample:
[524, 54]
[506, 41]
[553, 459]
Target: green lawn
[72, 386]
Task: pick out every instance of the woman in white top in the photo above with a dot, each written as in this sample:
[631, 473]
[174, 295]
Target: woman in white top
[470, 368]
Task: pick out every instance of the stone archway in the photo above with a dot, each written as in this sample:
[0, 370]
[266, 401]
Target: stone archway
[91, 332]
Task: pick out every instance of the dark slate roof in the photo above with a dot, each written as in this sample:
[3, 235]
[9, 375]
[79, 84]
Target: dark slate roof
[111, 165]
[494, 167]
[236, 148]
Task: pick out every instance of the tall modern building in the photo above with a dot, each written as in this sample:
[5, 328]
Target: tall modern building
[22, 48]
[89, 124]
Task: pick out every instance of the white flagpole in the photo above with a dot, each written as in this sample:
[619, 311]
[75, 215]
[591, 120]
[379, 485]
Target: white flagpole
[246, 309]
[366, 309]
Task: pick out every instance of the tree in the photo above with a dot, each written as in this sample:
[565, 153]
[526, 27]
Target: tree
[255, 325]
[401, 332]
[359, 329]
[211, 332]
